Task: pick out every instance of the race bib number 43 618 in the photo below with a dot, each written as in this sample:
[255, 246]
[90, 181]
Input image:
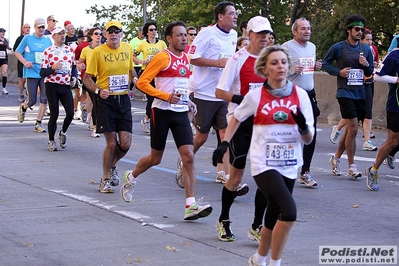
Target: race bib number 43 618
[281, 154]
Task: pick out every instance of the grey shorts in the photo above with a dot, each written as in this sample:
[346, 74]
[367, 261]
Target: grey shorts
[210, 114]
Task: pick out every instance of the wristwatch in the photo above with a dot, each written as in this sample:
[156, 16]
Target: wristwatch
[97, 91]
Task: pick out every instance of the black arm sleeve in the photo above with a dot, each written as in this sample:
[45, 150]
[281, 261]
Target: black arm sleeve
[45, 72]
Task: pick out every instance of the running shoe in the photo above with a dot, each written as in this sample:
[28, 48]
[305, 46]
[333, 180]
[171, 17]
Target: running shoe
[197, 210]
[94, 134]
[368, 146]
[62, 137]
[21, 98]
[47, 111]
[39, 128]
[390, 160]
[5, 92]
[127, 188]
[113, 176]
[105, 186]
[353, 172]
[251, 262]
[145, 98]
[334, 134]
[52, 146]
[254, 234]
[179, 173]
[334, 162]
[306, 179]
[372, 183]
[146, 125]
[242, 189]
[21, 113]
[221, 177]
[225, 233]
[77, 115]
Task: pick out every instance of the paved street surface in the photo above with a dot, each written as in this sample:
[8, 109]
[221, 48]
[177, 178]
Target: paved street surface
[51, 212]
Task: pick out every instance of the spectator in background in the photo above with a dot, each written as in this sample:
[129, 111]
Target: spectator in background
[243, 28]
[201, 27]
[70, 37]
[242, 42]
[4, 46]
[51, 24]
[272, 39]
[21, 84]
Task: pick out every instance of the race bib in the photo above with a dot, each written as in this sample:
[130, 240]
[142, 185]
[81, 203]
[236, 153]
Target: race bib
[38, 57]
[65, 69]
[223, 55]
[253, 86]
[308, 65]
[281, 154]
[181, 86]
[118, 83]
[2, 54]
[355, 77]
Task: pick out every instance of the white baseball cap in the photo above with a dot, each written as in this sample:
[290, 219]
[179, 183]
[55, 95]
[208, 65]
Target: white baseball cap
[258, 24]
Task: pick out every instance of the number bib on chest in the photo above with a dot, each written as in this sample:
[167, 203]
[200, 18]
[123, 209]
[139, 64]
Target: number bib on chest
[308, 65]
[355, 77]
[281, 154]
[2, 54]
[65, 69]
[181, 86]
[118, 83]
[38, 57]
[253, 86]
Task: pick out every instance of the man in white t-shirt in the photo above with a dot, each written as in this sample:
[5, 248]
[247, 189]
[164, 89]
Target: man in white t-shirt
[303, 54]
[209, 53]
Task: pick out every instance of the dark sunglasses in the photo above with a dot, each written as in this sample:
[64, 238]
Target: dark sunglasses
[359, 29]
[97, 33]
[192, 34]
[154, 29]
[116, 31]
[41, 27]
[53, 20]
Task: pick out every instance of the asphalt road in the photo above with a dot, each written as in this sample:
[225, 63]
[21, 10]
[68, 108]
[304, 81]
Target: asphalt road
[51, 212]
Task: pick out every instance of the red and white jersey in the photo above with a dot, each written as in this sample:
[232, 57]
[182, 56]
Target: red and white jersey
[174, 77]
[276, 142]
[239, 76]
[63, 54]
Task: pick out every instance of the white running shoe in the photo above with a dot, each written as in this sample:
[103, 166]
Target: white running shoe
[353, 172]
[334, 134]
[368, 146]
[334, 162]
[221, 177]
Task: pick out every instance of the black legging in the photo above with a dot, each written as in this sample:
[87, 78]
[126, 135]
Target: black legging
[55, 93]
[278, 191]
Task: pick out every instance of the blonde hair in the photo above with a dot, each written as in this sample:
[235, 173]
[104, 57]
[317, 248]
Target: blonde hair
[260, 63]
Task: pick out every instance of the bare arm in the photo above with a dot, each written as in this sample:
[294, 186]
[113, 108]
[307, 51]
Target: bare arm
[206, 62]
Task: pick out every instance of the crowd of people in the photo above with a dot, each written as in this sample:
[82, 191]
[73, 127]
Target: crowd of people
[257, 95]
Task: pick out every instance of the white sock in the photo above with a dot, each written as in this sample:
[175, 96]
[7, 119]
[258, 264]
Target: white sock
[189, 201]
[259, 259]
[131, 177]
[275, 262]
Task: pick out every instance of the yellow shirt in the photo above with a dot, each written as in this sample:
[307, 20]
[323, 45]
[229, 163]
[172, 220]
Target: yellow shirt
[113, 67]
[149, 50]
[86, 55]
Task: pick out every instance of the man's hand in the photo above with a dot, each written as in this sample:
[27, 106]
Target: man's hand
[344, 72]
[217, 156]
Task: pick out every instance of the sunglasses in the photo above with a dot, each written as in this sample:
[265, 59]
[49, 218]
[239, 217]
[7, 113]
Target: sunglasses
[53, 20]
[154, 29]
[116, 31]
[359, 29]
[192, 34]
[41, 27]
[98, 33]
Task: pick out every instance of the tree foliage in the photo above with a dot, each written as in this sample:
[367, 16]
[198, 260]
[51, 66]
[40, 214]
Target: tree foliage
[326, 16]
